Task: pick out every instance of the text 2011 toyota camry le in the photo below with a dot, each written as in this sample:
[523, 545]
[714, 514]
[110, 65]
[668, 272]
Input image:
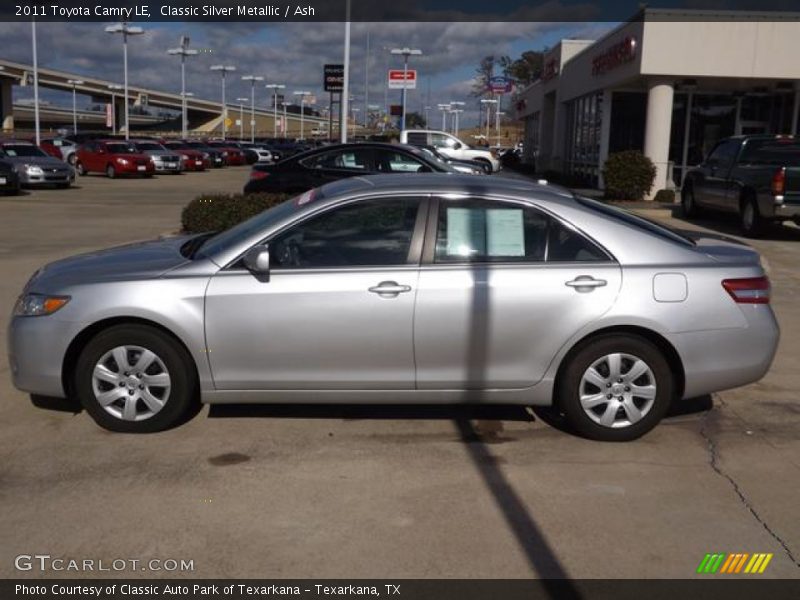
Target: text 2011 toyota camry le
[391, 289]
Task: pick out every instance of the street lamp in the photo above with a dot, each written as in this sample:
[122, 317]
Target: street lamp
[183, 51]
[285, 121]
[35, 84]
[355, 110]
[223, 69]
[114, 87]
[497, 114]
[241, 102]
[405, 53]
[488, 104]
[185, 96]
[455, 111]
[302, 109]
[73, 83]
[275, 87]
[252, 79]
[126, 30]
[444, 108]
[427, 122]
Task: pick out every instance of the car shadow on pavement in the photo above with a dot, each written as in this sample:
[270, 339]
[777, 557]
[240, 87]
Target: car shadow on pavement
[728, 225]
[69, 405]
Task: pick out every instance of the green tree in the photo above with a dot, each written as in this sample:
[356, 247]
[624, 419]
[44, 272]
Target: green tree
[527, 68]
[414, 120]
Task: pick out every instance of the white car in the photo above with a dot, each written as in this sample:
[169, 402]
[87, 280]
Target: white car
[449, 145]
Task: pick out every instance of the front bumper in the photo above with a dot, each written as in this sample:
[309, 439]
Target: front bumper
[47, 178]
[171, 167]
[36, 350]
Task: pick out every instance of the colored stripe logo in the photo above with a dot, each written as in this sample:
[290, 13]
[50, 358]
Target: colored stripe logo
[731, 564]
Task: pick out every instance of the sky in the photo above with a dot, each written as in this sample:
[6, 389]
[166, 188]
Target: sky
[288, 53]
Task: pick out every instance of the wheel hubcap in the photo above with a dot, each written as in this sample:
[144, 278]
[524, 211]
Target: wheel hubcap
[617, 390]
[131, 383]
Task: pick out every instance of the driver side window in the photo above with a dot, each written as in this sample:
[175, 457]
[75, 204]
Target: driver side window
[365, 233]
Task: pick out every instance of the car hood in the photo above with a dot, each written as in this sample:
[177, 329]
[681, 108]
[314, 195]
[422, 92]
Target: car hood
[39, 161]
[141, 260]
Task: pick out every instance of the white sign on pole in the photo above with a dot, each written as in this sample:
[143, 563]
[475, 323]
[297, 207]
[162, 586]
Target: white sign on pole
[398, 82]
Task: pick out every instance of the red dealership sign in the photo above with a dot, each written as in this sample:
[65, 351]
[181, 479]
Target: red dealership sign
[616, 55]
[399, 79]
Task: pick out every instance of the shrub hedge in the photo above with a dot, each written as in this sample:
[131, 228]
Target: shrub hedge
[217, 212]
[665, 196]
[628, 175]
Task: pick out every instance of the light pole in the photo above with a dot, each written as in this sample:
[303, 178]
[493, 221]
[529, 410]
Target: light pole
[345, 93]
[302, 95]
[73, 83]
[285, 122]
[455, 109]
[444, 108]
[183, 51]
[405, 52]
[241, 102]
[35, 84]
[114, 87]
[223, 69]
[427, 122]
[252, 79]
[488, 104]
[497, 114]
[126, 30]
[275, 87]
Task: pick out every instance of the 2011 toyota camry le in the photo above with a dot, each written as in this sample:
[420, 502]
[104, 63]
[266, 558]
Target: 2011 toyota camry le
[430, 288]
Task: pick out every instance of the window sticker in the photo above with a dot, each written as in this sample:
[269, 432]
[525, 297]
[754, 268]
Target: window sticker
[505, 232]
[466, 232]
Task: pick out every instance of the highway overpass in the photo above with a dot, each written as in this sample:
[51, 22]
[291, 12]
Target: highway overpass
[204, 116]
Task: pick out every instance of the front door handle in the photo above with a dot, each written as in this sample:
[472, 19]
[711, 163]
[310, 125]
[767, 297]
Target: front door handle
[585, 283]
[389, 288]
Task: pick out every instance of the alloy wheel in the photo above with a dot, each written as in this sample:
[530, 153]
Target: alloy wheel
[131, 383]
[617, 390]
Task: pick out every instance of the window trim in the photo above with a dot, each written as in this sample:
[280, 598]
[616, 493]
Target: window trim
[370, 167]
[429, 249]
[414, 251]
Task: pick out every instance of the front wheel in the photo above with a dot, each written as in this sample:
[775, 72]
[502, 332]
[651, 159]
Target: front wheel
[688, 204]
[616, 388]
[111, 172]
[134, 378]
[80, 168]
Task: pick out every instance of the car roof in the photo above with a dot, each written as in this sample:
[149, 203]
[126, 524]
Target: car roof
[442, 183]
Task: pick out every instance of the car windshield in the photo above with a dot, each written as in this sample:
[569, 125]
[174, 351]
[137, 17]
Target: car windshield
[263, 220]
[629, 218]
[22, 150]
[121, 149]
[149, 146]
[773, 152]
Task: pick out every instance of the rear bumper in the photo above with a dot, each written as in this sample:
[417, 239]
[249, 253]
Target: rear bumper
[787, 211]
[727, 358]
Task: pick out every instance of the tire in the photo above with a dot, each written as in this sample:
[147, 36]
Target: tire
[610, 420]
[751, 221]
[71, 159]
[487, 166]
[111, 172]
[80, 168]
[688, 204]
[137, 407]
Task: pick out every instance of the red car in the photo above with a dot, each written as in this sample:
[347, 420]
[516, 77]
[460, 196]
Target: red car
[233, 156]
[114, 158]
[193, 160]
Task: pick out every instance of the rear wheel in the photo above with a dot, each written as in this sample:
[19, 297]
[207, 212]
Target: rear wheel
[134, 378]
[111, 172]
[616, 388]
[688, 204]
[71, 159]
[753, 224]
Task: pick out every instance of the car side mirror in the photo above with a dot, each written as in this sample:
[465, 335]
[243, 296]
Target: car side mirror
[256, 260]
[457, 146]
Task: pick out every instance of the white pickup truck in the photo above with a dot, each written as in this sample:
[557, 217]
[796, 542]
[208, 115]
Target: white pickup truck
[449, 145]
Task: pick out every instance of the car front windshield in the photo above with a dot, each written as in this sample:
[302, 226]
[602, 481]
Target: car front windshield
[149, 146]
[22, 150]
[429, 156]
[121, 149]
[230, 237]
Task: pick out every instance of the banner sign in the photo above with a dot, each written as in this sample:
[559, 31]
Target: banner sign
[399, 79]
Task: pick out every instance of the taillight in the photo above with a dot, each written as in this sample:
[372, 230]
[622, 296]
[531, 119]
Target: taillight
[254, 174]
[778, 185]
[750, 290]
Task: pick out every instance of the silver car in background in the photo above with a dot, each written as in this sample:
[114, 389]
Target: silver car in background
[164, 159]
[34, 166]
[429, 288]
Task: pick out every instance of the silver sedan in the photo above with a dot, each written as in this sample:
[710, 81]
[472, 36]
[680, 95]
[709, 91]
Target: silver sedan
[422, 289]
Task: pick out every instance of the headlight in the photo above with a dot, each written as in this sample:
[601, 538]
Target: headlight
[122, 161]
[37, 305]
[206, 155]
[184, 157]
[34, 170]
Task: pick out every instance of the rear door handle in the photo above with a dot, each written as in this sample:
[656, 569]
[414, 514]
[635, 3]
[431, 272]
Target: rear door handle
[389, 288]
[585, 283]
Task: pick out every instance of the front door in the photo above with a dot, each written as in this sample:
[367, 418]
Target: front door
[711, 189]
[500, 292]
[323, 168]
[337, 310]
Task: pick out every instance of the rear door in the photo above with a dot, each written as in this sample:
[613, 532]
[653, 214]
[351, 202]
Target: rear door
[337, 164]
[502, 287]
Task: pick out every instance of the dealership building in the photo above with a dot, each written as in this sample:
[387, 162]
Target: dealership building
[669, 83]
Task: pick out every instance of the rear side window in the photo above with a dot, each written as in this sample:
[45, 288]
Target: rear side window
[778, 152]
[356, 159]
[418, 139]
[484, 231]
